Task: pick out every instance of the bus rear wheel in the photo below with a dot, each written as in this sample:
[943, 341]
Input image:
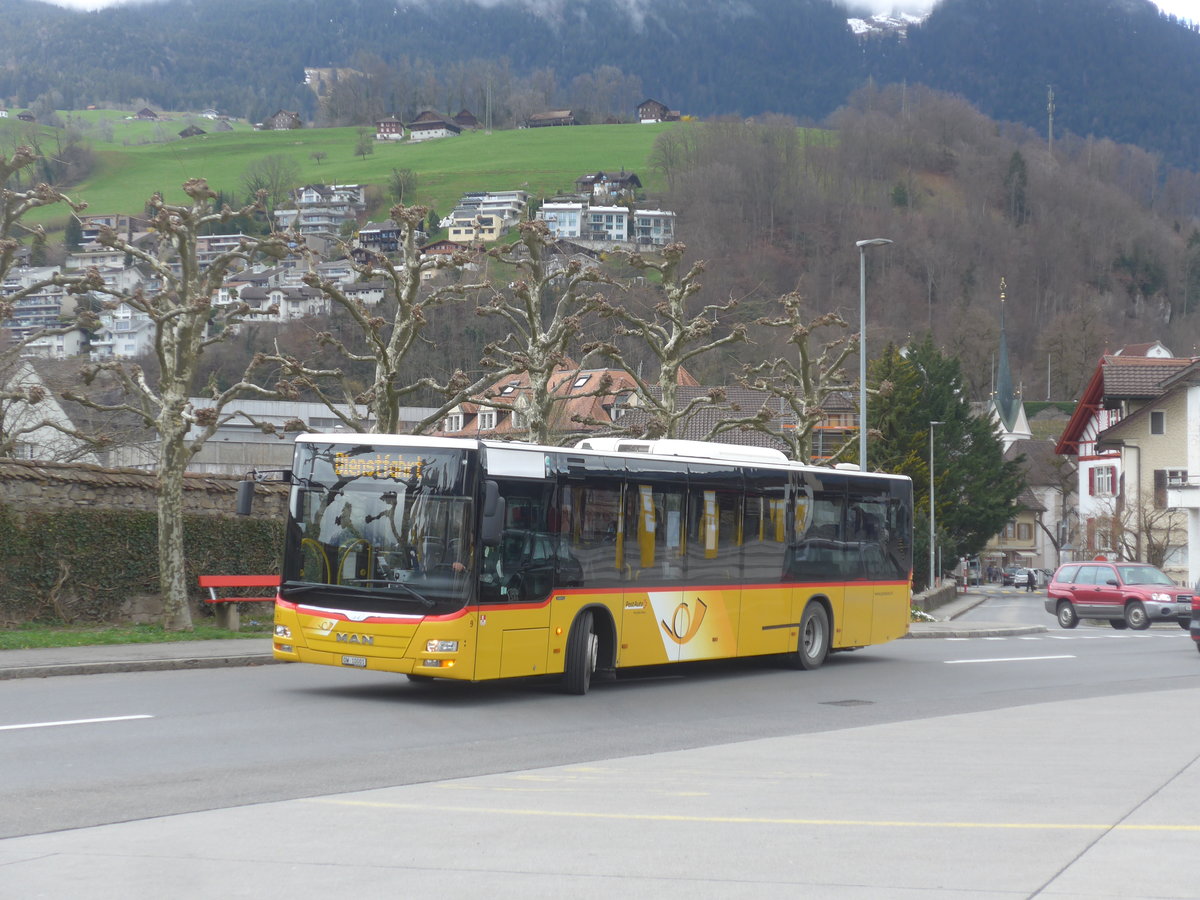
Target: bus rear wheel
[813, 645]
[583, 649]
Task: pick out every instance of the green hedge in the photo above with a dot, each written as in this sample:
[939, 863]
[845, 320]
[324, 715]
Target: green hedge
[81, 565]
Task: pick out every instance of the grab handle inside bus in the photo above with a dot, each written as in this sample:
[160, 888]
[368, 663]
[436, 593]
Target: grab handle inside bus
[493, 515]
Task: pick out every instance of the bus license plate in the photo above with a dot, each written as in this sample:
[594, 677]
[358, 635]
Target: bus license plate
[359, 661]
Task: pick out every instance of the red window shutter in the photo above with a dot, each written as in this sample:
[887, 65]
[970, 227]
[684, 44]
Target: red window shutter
[1091, 482]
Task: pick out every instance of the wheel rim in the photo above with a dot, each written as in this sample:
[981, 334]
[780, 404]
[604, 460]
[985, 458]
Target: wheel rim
[813, 637]
[1066, 615]
[593, 653]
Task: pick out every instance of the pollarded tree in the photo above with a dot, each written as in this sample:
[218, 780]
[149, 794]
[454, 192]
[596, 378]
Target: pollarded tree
[800, 386]
[24, 404]
[673, 332]
[544, 313]
[383, 343]
[186, 321]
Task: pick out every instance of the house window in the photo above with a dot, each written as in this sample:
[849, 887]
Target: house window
[1024, 532]
[581, 381]
[1103, 481]
[518, 419]
[1010, 531]
[1158, 422]
[487, 420]
[454, 422]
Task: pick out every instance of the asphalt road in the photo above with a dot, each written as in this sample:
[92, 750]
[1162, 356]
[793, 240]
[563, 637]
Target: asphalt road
[993, 766]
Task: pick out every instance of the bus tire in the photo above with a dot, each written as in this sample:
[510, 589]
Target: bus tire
[812, 647]
[583, 648]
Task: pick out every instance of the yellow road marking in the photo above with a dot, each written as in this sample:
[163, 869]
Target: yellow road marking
[750, 820]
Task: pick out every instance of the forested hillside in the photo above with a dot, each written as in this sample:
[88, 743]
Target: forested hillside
[1119, 69]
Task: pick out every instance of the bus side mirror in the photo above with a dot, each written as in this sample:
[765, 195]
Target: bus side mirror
[245, 497]
[493, 515]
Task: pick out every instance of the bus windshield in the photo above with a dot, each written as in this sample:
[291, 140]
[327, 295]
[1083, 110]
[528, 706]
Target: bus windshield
[379, 528]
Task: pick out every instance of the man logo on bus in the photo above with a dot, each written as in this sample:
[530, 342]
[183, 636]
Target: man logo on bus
[684, 625]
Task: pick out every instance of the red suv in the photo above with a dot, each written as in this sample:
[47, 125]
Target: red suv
[1129, 595]
[1196, 620]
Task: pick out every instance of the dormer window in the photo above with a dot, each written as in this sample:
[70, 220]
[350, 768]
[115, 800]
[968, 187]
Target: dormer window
[453, 422]
[486, 421]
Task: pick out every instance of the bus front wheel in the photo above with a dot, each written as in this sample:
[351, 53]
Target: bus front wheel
[583, 648]
[813, 645]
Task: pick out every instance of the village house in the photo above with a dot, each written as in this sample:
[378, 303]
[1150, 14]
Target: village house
[282, 120]
[650, 111]
[389, 129]
[466, 119]
[608, 187]
[430, 125]
[1159, 499]
[320, 210]
[551, 118]
[1123, 383]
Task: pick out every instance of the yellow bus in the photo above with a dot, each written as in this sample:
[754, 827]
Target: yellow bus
[478, 560]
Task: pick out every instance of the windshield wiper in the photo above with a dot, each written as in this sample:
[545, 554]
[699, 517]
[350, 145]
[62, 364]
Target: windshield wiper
[394, 584]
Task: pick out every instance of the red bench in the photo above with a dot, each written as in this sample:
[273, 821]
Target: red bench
[227, 615]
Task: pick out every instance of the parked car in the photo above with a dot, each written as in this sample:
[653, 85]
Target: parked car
[1009, 575]
[1196, 620]
[1128, 595]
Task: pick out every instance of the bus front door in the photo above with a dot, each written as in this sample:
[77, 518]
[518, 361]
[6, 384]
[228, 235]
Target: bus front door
[655, 617]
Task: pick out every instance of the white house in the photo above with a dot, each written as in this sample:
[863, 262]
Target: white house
[606, 223]
[564, 219]
[1121, 384]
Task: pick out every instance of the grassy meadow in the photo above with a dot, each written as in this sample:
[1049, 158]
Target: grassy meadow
[135, 159]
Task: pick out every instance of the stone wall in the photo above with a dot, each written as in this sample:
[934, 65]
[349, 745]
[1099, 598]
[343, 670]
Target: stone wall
[47, 485]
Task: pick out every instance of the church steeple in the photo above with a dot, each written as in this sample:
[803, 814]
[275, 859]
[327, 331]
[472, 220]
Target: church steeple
[1006, 402]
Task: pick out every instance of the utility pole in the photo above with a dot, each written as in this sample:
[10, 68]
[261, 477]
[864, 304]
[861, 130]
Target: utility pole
[1050, 114]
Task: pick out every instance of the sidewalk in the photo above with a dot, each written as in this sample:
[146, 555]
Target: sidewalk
[946, 627]
[95, 660]
[100, 659]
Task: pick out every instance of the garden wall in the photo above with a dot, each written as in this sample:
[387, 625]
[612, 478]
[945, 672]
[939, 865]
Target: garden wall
[78, 543]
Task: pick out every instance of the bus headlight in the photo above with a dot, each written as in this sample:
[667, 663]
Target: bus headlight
[441, 647]
[283, 631]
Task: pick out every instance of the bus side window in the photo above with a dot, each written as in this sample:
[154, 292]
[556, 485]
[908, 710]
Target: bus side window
[588, 527]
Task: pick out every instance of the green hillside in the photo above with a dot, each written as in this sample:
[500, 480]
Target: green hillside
[542, 161]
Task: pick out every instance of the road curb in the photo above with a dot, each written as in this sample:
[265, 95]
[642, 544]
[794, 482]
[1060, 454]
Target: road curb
[925, 630]
[136, 665]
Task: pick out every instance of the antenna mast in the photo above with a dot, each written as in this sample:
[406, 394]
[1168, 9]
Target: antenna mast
[1050, 115]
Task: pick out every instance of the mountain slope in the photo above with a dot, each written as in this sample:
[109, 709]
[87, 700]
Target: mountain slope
[1119, 69]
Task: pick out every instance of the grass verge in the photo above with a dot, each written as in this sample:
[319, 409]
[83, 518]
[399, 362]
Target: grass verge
[25, 637]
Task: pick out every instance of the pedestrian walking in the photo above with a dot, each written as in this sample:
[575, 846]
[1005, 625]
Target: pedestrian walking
[1030, 580]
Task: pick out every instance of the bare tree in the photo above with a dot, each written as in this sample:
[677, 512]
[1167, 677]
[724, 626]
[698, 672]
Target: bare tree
[672, 332]
[1146, 532]
[387, 342]
[186, 322]
[273, 177]
[543, 311]
[24, 403]
[801, 385]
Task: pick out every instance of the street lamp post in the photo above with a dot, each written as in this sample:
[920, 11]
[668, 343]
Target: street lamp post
[862, 346]
[932, 528]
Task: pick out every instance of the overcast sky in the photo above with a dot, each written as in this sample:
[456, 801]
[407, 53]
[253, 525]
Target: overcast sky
[1185, 9]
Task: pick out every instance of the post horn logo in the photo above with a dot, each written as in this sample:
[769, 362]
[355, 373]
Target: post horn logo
[684, 625]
